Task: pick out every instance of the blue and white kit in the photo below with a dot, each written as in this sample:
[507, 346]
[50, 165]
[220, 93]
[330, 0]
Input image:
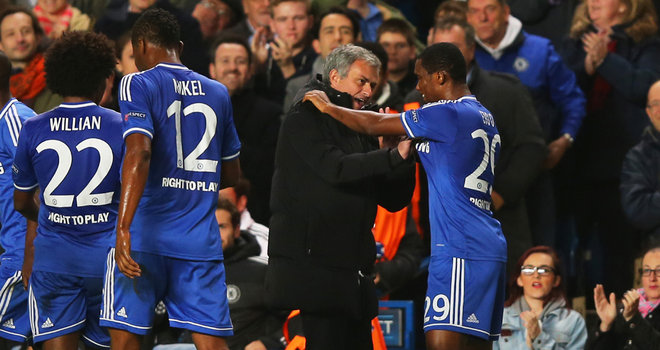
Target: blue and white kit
[73, 154]
[458, 144]
[188, 118]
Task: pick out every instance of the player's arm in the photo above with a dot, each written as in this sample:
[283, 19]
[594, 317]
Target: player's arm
[28, 259]
[25, 204]
[133, 180]
[229, 173]
[365, 122]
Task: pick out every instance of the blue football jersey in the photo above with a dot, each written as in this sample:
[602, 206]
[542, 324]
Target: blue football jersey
[12, 233]
[189, 120]
[459, 145]
[73, 154]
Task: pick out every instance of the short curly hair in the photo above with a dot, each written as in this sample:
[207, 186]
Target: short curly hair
[78, 64]
[158, 27]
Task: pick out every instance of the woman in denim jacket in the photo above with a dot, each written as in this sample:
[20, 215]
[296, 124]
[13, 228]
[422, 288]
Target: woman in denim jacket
[536, 315]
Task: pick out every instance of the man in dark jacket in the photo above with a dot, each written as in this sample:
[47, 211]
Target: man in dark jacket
[327, 183]
[523, 147]
[640, 176]
[254, 323]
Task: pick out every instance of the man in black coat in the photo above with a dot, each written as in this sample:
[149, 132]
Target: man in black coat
[328, 181]
[640, 175]
[523, 146]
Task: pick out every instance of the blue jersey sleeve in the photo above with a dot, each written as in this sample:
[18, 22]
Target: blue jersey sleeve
[231, 146]
[23, 172]
[134, 106]
[437, 122]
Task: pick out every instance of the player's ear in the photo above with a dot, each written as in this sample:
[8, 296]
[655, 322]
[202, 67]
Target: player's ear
[180, 48]
[440, 77]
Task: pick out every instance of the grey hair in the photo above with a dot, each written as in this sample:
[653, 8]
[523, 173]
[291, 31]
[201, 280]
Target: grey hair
[344, 56]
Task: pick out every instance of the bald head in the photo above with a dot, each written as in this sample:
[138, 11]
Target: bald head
[5, 72]
[653, 105]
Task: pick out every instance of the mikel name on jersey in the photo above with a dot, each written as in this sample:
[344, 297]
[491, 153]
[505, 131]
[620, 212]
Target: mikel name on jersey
[75, 124]
[188, 87]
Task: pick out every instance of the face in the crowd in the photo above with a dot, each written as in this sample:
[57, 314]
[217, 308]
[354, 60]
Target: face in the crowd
[359, 82]
[126, 64]
[52, 6]
[257, 12]
[291, 22]
[18, 39]
[489, 19]
[228, 233]
[456, 36]
[537, 285]
[651, 282]
[231, 66]
[653, 105]
[335, 30]
[399, 51]
[140, 5]
[606, 13]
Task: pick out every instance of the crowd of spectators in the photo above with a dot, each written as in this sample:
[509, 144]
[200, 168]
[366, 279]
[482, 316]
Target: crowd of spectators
[572, 85]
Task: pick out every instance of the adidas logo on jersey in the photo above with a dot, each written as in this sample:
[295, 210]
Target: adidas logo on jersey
[122, 312]
[473, 319]
[9, 324]
[47, 324]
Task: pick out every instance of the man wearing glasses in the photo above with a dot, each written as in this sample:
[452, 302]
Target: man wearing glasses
[640, 175]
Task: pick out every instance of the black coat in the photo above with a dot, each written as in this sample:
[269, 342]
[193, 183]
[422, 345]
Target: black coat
[328, 180]
[637, 334]
[257, 123]
[640, 186]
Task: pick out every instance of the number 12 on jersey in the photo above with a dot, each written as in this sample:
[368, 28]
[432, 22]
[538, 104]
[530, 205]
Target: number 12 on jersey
[191, 162]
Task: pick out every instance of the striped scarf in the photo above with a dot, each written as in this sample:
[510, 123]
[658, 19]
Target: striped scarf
[54, 23]
[645, 306]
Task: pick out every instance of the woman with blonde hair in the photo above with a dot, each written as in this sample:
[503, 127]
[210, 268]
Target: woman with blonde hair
[615, 54]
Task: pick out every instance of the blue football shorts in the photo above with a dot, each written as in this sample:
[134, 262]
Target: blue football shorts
[14, 320]
[60, 304]
[465, 296]
[194, 293]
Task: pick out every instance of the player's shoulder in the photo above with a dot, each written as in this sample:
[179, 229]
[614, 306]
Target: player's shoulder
[15, 109]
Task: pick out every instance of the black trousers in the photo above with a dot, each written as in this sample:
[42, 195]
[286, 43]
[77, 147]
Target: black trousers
[333, 332]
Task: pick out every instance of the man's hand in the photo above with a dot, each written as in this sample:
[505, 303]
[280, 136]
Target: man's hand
[283, 56]
[556, 150]
[26, 271]
[497, 200]
[531, 323]
[605, 309]
[259, 45]
[404, 148]
[630, 304]
[318, 98]
[125, 263]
